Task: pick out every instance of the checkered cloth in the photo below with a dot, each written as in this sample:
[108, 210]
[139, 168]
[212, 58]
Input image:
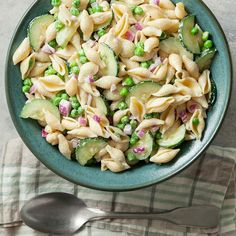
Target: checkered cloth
[210, 180]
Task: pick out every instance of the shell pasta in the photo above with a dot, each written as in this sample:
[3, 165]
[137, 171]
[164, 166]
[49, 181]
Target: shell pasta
[117, 83]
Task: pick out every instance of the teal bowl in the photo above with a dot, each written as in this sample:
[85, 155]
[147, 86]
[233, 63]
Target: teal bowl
[143, 175]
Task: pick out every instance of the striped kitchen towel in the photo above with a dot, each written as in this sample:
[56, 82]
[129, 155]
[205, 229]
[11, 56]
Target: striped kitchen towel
[210, 180]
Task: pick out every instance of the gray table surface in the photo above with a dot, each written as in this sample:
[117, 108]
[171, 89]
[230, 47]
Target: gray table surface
[12, 10]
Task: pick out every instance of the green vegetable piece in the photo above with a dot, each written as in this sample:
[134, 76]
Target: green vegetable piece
[138, 10]
[122, 105]
[194, 30]
[163, 36]
[74, 99]
[145, 64]
[158, 135]
[196, 121]
[205, 36]
[151, 115]
[74, 11]
[25, 88]
[64, 96]
[208, 44]
[56, 3]
[131, 156]
[59, 26]
[97, 9]
[50, 71]
[81, 53]
[80, 111]
[53, 43]
[75, 70]
[101, 32]
[76, 3]
[74, 113]
[124, 120]
[83, 59]
[133, 124]
[134, 139]
[28, 82]
[129, 81]
[139, 51]
[72, 64]
[91, 11]
[75, 105]
[124, 92]
[56, 101]
[92, 1]
[121, 126]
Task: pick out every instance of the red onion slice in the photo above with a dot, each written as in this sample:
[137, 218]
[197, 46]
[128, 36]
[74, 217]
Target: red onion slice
[33, 89]
[82, 121]
[128, 129]
[65, 107]
[97, 118]
[138, 150]
[44, 133]
[48, 49]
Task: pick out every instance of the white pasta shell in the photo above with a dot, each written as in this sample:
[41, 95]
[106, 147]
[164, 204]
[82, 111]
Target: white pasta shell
[137, 108]
[38, 69]
[191, 67]
[164, 155]
[87, 69]
[181, 99]
[101, 18]
[169, 14]
[145, 57]
[159, 104]
[69, 123]
[151, 31]
[89, 88]
[140, 73]
[150, 44]
[58, 64]
[83, 4]
[182, 74]
[205, 82]
[52, 121]
[189, 86]
[71, 87]
[161, 71]
[122, 145]
[52, 138]
[180, 10]
[167, 4]
[176, 61]
[166, 90]
[170, 74]
[22, 52]
[82, 132]
[169, 117]
[129, 64]
[75, 41]
[106, 82]
[149, 123]
[86, 25]
[112, 95]
[67, 52]
[63, 146]
[122, 26]
[154, 12]
[118, 115]
[27, 65]
[52, 83]
[51, 32]
[113, 166]
[202, 101]
[41, 56]
[120, 9]
[165, 24]
[127, 48]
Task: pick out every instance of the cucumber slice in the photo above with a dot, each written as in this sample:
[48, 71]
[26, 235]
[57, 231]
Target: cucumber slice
[213, 93]
[204, 61]
[65, 35]
[172, 139]
[34, 109]
[192, 42]
[173, 45]
[109, 58]
[37, 30]
[147, 143]
[100, 104]
[88, 148]
[143, 91]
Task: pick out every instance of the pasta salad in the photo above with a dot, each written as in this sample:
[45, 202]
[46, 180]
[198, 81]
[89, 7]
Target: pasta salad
[117, 82]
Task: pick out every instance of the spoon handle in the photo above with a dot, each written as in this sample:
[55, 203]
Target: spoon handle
[193, 216]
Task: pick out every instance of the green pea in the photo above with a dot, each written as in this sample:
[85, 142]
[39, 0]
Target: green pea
[73, 63]
[124, 92]
[121, 126]
[124, 120]
[134, 139]
[56, 3]
[82, 53]
[64, 96]
[83, 59]
[74, 113]
[133, 124]
[138, 10]
[194, 30]
[205, 36]
[59, 26]
[196, 121]
[128, 81]
[50, 71]
[75, 70]
[58, 95]
[158, 135]
[131, 156]
[151, 115]
[74, 99]
[208, 44]
[74, 11]
[53, 43]
[163, 36]
[90, 10]
[122, 106]
[101, 32]
[95, 77]
[28, 82]
[139, 51]
[75, 105]
[80, 111]
[76, 3]
[56, 101]
[145, 64]
[25, 88]
[140, 45]
[97, 9]
[92, 1]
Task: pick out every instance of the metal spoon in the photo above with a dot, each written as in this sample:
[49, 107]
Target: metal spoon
[63, 213]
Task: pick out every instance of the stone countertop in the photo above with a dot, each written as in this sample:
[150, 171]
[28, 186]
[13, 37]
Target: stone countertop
[225, 15]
